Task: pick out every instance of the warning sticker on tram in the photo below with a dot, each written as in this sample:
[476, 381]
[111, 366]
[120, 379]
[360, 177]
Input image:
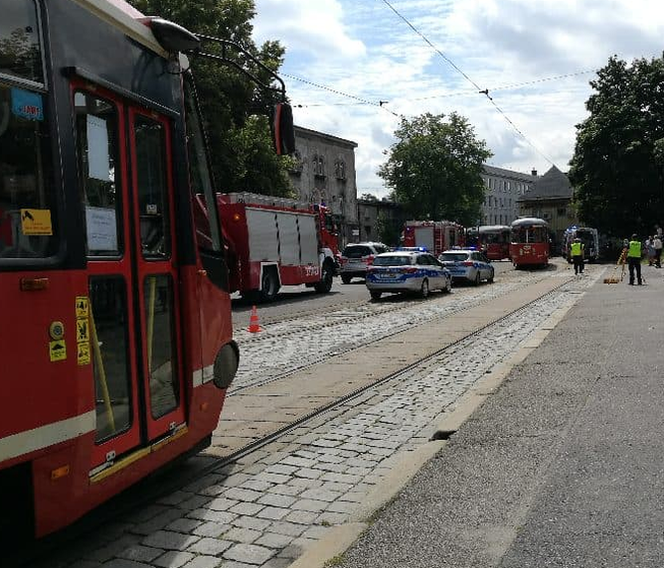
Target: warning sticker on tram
[57, 350]
[36, 222]
[83, 353]
[82, 330]
[82, 307]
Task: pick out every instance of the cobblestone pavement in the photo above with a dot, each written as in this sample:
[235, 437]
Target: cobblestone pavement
[293, 344]
[265, 510]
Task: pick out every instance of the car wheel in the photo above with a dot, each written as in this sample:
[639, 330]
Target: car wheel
[345, 279]
[269, 286]
[325, 284]
[448, 286]
[491, 277]
[375, 295]
[477, 280]
[424, 290]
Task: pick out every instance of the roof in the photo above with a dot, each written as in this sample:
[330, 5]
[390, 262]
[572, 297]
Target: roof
[554, 184]
[501, 172]
[328, 137]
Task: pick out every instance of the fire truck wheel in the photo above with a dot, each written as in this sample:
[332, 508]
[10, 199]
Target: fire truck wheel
[424, 290]
[269, 286]
[375, 295]
[325, 284]
[345, 279]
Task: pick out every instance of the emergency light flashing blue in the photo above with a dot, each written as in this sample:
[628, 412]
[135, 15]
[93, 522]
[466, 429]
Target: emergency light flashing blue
[412, 249]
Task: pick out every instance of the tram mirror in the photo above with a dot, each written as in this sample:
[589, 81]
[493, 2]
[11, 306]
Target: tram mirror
[173, 37]
[282, 129]
[225, 365]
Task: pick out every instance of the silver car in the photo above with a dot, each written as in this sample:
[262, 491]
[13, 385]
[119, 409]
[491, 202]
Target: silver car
[356, 257]
[468, 264]
[407, 271]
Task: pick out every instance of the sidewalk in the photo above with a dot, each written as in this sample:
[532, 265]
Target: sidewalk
[563, 466]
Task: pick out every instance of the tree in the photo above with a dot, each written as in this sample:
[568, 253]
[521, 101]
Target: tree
[618, 164]
[235, 110]
[434, 169]
[388, 229]
[368, 197]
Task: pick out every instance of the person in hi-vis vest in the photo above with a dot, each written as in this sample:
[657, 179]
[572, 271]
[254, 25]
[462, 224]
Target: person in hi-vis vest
[634, 260]
[576, 252]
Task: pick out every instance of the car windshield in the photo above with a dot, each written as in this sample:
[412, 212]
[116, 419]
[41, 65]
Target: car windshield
[392, 260]
[356, 251]
[453, 256]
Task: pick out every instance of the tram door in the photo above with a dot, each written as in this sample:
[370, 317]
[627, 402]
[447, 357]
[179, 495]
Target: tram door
[132, 307]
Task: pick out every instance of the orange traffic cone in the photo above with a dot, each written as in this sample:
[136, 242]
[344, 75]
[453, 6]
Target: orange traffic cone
[254, 326]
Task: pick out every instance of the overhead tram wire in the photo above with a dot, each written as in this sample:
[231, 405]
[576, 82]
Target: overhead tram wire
[473, 83]
[380, 104]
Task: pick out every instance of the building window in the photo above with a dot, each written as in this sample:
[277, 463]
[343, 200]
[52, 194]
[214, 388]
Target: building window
[340, 169]
[298, 163]
[562, 210]
[318, 165]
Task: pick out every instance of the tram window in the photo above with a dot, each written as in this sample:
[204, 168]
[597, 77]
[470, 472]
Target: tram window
[20, 50]
[97, 145]
[152, 187]
[108, 304]
[164, 387]
[26, 186]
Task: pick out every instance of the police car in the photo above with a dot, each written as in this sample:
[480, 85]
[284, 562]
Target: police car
[407, 270]
[467, 264]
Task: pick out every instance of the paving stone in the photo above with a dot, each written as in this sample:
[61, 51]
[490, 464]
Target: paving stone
[222, 517]
[308, 473]
[204, 562]
[169, 540]
[174, 498]
[341, 478]
[82, 564]
[236, 479]
[214, 530]
[281, 468]
[286, 490]
[251, 523]
[256, 484]
[337, 487]
[249, 553]
[274, 513]
[333, 467]
[329, 458]
[246, 495]
[277, 500]
[302, 517]
[244, 535]
[183, 525]
[273, 477]
[148, 513]
[305, 483]
[194, 502]
[309, 505]
[273, 540]
[213, 490]
[276, 563]
[157, 523]
[233, 564]
[316, 532]
[209, 546]
[342, 507]
[104, 553]
[326, 443]
[203, 482]
[298, 461]
[140, 553]
[173, 559]
[319, 494]
[289, 529]
[247, 508]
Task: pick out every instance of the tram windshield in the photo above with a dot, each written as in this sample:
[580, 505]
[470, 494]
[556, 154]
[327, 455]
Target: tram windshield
[530, 234]
[26, 186]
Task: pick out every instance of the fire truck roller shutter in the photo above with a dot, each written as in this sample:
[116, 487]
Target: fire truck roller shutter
[308, 239]
[424, 237]
[263, 235]
[289, 245]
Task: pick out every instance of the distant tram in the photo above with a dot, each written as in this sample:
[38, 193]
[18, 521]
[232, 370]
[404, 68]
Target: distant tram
[494, 240]
[529, 244]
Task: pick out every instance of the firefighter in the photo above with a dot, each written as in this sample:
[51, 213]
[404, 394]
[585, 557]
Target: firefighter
[634, 260]
[576, 251]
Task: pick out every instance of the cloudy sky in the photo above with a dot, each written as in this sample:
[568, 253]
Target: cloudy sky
[535, 57]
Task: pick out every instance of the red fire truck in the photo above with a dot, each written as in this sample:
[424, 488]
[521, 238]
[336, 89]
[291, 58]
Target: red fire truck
[436, 236]
[274, 241]
[116, 343]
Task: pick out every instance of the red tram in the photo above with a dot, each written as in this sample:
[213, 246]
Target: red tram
[529, 244]
[494, 240]
[116, 343]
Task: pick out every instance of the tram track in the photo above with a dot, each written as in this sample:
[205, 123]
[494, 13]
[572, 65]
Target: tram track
[163, 485]
[427, 314]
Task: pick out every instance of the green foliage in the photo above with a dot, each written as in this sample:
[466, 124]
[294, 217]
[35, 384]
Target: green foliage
[434, 169]
[235, 110]
[618, 163]
[389, 229]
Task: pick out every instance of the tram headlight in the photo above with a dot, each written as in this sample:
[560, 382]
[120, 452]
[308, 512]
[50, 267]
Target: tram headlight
[225, 365]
